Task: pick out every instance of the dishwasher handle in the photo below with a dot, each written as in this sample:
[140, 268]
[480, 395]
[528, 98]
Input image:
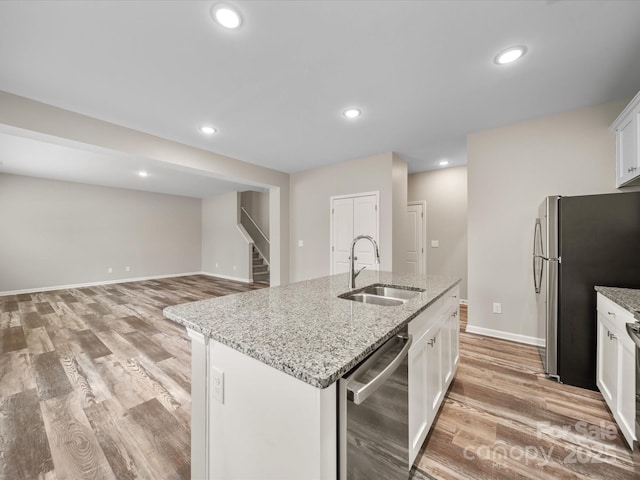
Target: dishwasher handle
[358, 392]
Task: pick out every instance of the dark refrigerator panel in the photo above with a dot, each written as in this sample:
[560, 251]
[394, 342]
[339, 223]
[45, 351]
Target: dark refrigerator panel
[599, 245]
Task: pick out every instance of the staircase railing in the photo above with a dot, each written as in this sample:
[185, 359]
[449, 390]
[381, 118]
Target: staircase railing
[260, 240]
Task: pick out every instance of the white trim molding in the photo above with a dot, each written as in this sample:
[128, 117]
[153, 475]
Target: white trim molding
[94, 284]
[514, 337]
[227, 277]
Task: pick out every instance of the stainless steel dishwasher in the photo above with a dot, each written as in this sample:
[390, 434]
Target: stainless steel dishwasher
[374, 415]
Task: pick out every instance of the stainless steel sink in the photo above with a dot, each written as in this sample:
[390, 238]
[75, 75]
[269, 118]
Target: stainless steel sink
[375, 299]
[380, 294]
[389, 291]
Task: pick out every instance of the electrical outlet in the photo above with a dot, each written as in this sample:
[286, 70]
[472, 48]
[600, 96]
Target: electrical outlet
[435, 243]
[127, 268]
[300, 243]
[217, 376]
[234, 268]
[109, 270]
[497, 308]
[216, 265]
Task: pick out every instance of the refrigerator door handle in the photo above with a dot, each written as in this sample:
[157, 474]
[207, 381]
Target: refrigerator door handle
[537, 279]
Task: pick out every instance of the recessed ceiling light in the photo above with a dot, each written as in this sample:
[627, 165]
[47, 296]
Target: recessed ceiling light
[226, 16]
[443, 163]
[207, 130]
[511, 54]
[352, 113]
[143, 173]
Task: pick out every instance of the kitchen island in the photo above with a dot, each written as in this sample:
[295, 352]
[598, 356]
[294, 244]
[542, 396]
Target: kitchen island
[265, 365]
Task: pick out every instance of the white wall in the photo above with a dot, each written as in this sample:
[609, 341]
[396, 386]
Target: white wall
[19, 115]
[310, 219]
[445, 192]
[399, 179]
[225, 251]
[511, 169]
[60, 233]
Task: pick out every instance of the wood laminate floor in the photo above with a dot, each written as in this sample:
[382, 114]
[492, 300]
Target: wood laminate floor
[503, 419]
[94, 384]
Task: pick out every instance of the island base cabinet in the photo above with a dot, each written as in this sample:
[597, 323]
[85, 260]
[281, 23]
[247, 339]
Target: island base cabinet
[253, 421]
[433, 360]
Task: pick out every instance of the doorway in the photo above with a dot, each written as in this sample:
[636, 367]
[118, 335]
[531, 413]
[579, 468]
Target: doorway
[353, 215]
[415, 260]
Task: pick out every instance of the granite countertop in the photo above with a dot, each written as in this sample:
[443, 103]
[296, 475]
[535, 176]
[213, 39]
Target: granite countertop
[627, 298]
[303, 328]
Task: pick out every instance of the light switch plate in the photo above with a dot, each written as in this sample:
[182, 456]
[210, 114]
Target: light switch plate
[435, 243]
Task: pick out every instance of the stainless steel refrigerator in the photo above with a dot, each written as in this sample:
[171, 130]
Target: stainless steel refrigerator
[578, 243]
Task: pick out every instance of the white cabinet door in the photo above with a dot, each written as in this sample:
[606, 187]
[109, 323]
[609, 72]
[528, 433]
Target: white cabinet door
[626, 401]
[627, 130]
[607, 361]
[352, 216]
[455, 341]
[627, 151]
[453, 332]
[446, 351]
[418, 404]
[435, 390]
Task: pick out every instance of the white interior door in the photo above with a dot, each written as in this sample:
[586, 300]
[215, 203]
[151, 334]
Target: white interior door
[353, 215]
[415, 255]
[365, 222]
[342, 231]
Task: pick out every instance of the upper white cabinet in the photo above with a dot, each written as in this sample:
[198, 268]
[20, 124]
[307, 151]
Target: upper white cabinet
[615, 375]
[627, 130]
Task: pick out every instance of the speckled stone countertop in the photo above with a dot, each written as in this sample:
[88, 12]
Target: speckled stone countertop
[628, 298]
[303, 328]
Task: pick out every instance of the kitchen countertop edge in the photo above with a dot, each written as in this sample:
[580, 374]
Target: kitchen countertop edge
[294, 366]
[627, 298]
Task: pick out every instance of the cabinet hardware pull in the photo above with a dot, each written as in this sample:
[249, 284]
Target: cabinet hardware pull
[613, 337]
[612, 314]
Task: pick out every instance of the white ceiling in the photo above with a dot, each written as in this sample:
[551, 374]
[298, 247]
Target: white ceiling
[44, 158]
[421, 71]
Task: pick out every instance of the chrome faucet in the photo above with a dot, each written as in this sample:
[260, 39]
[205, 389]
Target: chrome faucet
[352, 271]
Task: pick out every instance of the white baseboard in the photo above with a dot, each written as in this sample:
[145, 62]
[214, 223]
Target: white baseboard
[514, 337]
[227, 277]
[94, 284]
